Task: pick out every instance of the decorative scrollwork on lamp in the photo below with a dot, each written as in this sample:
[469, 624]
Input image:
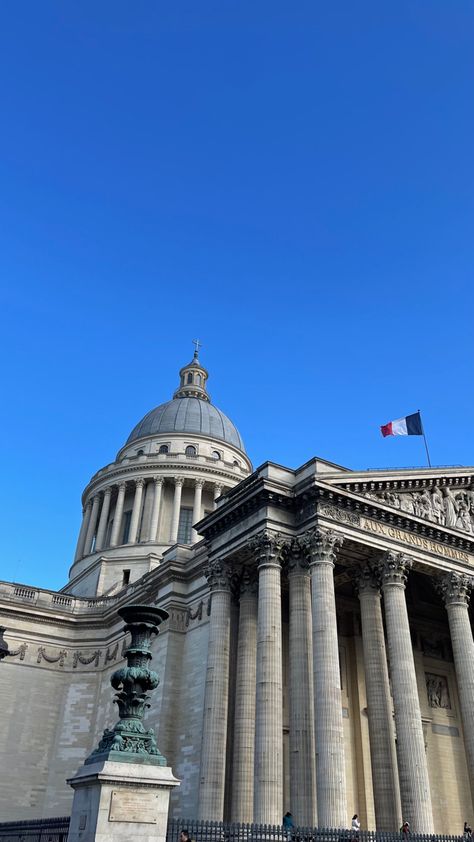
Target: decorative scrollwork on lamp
[129, 741]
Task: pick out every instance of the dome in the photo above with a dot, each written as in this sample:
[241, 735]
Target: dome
[188, 415]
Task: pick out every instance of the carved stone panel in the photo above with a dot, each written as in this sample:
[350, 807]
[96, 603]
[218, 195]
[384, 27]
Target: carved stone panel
[446, 506]
[438, 691]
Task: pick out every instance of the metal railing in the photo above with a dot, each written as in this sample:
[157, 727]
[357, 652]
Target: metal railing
[200, 831]
[36, 830]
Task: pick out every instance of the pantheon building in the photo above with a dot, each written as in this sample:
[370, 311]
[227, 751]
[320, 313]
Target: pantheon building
[318, 656]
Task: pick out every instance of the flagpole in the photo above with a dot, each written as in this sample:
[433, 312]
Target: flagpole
[424, 439]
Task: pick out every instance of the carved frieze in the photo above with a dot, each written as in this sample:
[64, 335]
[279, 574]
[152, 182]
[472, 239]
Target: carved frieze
[194, 615]
[21, 651]
[341, 515]
[86, 660]
[51, 659]
[111, 654]
[445, 506]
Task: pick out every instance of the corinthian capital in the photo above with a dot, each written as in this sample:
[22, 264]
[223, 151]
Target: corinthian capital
[393, 568]
[297, 557]
[454, 587]
[248, 583]
[321, 545]
[365, 579]
[268, 549]
[218, 574]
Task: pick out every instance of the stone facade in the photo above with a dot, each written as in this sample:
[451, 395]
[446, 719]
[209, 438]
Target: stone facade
[318, 655]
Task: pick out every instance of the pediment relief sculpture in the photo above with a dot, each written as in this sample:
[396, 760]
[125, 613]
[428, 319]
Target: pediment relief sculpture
[451, 507]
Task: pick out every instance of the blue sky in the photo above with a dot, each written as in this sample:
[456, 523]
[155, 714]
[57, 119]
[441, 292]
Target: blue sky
[290, 182]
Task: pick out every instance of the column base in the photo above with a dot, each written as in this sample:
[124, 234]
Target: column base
[120, 801]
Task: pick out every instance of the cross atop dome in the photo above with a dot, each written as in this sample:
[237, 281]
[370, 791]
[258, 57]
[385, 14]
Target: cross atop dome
[197, 345]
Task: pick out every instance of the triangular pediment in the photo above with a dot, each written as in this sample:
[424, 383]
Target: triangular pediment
[446, 500]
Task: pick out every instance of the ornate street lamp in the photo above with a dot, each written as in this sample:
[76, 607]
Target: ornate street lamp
[129, 741]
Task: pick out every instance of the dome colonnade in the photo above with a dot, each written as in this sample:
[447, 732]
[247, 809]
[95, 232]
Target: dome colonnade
[105, 527]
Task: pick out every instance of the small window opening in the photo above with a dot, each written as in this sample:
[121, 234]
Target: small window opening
[163, 448]
[185, 526]
[125, 577]
[140, 452]
[190, 450]
[199, 379]
[127, 517]
[190, 377]
[215, 454]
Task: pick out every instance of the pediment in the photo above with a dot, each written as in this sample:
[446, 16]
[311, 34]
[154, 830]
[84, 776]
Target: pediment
[443, 501]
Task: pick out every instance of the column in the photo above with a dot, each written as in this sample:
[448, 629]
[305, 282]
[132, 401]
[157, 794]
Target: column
[216, 696]
[104, 516]
[302, 755]
[83, 531]
[178, 486]
[115, 537]
[92, 524]
[155, 512]
[217, 492]
[456, 590]
[268, 782]
[379, 704]
[329, 728]
[412, 765]
[136, 511]
[198, 484]
[244, 717]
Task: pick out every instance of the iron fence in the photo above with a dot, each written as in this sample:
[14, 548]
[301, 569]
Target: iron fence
[200, 831]
[36, 830]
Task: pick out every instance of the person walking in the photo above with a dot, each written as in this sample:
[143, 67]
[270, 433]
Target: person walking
[355, 827]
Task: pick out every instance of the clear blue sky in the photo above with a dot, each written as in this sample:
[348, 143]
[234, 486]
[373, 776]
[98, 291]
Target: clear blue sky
[290, 182]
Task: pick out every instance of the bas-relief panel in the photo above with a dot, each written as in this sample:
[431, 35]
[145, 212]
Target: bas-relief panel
[446, 506]
[437, 690]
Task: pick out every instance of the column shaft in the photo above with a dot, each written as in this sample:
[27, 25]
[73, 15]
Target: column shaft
[268, 784]
[178, 486]
[136, 511]
[412, 765]
[104, 515]
[456, 593]
[302, 754]
[216, 700]
[155, 512]
[244, 718]
[197, 507]
[83, 531]
[217, 492]
[379, 709]
[92, 524]
[115, 537]
[329, 726]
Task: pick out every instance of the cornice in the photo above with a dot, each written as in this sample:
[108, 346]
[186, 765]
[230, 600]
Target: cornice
[413, 483]
[259, 493]
[167, 470]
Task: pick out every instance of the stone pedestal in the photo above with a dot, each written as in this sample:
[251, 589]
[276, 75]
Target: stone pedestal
[120, 801]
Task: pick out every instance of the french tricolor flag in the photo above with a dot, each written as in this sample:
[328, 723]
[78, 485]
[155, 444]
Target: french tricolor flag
[409, 426]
